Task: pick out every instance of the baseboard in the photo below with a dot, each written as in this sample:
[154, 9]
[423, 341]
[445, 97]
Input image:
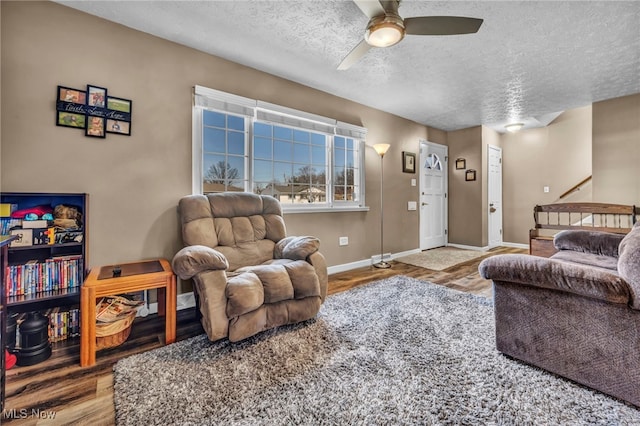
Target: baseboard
[502, 244]
[515, 245]
[183, 301]
[462, 246]
[406, 253]
[368, 262]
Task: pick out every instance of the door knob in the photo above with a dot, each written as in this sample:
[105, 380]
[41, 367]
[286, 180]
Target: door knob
[425, 204]
[492, 209]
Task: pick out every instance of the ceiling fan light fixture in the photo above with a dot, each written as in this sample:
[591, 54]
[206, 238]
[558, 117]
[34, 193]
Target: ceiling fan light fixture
[384, 31]
[514, 127]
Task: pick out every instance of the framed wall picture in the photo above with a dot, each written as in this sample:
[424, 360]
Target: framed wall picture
[461, 164]
[95, 126]
[96, 96]
[470, 175]
[70, 119]
[118, 116]
[408, 162]
[67, 94]
[120, 127]
[119, 104]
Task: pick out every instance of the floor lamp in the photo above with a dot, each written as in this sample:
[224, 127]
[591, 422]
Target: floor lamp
[381, 149]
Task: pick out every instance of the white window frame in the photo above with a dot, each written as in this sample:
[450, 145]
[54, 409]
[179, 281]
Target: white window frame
[259, 111]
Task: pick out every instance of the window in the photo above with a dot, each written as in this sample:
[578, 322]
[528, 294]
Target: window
[224, 152]
[433, 162]
[290, 164]
[346, 169]
[306, 161]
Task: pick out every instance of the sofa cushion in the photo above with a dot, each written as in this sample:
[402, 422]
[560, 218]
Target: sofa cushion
[275, 281]
[590, 259]
[629, 263]
[568, 277]
[296, 248]
[304, 278]
[595, 242]
[192, 260]
[197, 221]
[244, 294]
[285, 279]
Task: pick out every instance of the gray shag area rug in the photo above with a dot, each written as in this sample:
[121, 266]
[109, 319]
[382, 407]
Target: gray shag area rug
[397, 351]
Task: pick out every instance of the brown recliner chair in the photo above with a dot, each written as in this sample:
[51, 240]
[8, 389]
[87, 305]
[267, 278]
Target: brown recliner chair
[248, 276]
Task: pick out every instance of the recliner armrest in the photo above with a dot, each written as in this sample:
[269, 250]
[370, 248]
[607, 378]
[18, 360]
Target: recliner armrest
[296, 248]
[583, 280]
[600, 243]
[192, 260]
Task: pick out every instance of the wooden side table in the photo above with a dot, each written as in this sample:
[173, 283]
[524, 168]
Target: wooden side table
[133, 277]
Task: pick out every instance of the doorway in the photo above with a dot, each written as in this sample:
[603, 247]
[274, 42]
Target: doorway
[495, 195]
[433, 194]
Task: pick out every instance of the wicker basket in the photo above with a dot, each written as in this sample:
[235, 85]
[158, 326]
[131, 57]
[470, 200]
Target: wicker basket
[113, 334]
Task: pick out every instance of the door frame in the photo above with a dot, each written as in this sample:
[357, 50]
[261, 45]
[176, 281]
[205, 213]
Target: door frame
[489, 197]
[423, 143]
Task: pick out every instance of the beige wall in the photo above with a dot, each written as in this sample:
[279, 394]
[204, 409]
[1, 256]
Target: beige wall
[616, 150]
[0, 106]
[135, 182]
[558, 156]
[466, 197]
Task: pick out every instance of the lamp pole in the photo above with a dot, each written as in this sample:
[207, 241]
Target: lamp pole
[381, 149]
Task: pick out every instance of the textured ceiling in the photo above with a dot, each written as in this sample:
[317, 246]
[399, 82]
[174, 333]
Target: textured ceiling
[529, 61]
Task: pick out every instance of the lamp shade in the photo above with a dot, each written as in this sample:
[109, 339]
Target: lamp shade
[381, 148]
[385, 31]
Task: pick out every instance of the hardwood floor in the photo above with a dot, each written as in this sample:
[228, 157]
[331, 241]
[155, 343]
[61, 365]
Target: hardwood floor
[59, 391]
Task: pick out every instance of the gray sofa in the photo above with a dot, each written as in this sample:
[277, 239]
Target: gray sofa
[576, 314]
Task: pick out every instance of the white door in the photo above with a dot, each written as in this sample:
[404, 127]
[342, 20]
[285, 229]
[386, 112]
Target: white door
[495, 196]
[433, 195]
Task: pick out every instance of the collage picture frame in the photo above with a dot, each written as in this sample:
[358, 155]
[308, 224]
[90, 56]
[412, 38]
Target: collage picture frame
[93, 110]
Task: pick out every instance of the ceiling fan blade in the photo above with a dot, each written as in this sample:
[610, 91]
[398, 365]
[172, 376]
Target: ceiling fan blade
[356, 53]
[441, 25]
[370, 8]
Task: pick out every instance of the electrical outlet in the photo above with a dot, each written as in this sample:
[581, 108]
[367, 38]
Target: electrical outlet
[343, 241]
[545, 189]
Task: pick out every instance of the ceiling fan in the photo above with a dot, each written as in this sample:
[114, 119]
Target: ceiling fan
[386, 27]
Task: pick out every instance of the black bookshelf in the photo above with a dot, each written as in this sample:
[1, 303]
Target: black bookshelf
[4, 245]
[56, 269]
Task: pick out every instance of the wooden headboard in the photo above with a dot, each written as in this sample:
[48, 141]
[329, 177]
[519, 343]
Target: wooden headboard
[552, 218]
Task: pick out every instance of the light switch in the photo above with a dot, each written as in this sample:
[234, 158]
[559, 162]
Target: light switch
[546, 189]
[413, 182]
[412, 205]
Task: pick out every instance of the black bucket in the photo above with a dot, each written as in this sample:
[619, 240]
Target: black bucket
[34, 339]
